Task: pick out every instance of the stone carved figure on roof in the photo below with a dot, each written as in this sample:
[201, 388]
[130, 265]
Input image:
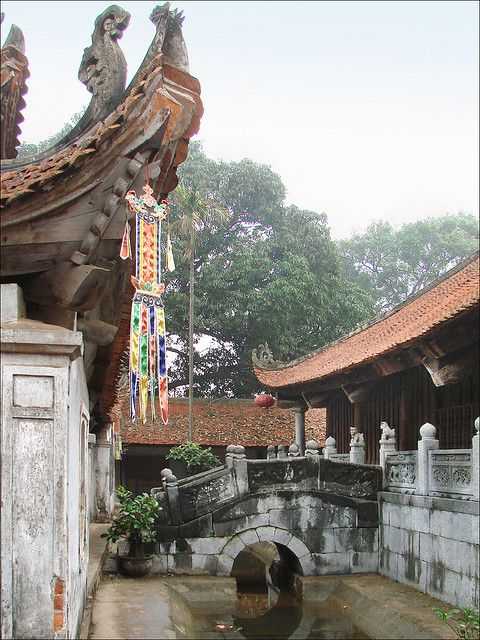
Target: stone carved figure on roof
[262, 356]
[14, 72]
[103, 69]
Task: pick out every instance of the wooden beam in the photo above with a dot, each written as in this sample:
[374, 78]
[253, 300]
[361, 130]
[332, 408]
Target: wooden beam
[96, 331]
[452, 368]
[78, 288]
[357, 393]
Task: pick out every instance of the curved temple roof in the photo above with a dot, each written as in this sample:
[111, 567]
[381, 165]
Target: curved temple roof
[454, 293]
[63, 212]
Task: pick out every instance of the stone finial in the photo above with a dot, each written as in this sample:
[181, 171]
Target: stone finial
[165, 474]
[312, 448]
[293, 450]
[282, 451]
[428, 431]
[476, 424]
[330, 442]
[230, 449]
[171, 479]
[271, 452]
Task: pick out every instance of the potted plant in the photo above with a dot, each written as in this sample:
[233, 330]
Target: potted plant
[191, 459]
[135, 522]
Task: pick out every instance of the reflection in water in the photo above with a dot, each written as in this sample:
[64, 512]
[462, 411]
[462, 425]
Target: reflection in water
[279, 621]
[257, 614]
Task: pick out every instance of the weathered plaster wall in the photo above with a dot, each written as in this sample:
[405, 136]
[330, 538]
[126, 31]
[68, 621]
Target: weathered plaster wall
[328, 534]
[431, 544]
[43, 385]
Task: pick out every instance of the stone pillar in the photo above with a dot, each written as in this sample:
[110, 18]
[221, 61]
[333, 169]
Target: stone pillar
[300, 429]
[282, 451]
[428, 441]
[173, 495]
[476, 461]
[104, 471]
[388, 443]
[241, 470]
[330, 447]
[44, 426]
[91, 475]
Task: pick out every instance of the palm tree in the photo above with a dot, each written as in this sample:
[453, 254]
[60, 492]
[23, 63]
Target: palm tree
[196, 213]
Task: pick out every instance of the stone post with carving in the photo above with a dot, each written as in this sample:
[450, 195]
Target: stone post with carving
[476, 461]
[428, 433]
[271, 454]
[330, 447]
[357, 447]
[388, 443]
[282, 451]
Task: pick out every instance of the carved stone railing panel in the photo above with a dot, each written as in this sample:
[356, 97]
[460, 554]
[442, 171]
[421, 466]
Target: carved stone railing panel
[339, 457]
[203, 494]
[450, 473]
[353, 480]
[301, 472]
[401, 472]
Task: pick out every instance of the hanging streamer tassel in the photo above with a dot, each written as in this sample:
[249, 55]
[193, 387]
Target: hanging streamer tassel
[126, 250]
[170, 260]
[148, 369]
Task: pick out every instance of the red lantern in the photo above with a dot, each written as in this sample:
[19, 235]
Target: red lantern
[264, 400]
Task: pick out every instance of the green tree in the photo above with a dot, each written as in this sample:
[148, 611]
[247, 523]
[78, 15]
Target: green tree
[268, 272]
[193, 213]
[391, 264]
[27, 149]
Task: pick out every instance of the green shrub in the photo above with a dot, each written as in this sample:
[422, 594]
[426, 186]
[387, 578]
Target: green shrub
[464, 622]
[135, 520]
[193, 455]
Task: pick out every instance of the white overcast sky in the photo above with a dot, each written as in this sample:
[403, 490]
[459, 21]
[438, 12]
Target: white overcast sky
[367, 110]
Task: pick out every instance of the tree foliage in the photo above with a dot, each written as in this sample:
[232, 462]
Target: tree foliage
[391, 264]
[266, 272]
[27, 149]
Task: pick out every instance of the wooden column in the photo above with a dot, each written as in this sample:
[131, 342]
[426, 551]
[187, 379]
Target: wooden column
[358, 395]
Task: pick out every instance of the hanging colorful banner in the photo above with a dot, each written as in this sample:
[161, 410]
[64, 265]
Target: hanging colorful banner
[148, 368]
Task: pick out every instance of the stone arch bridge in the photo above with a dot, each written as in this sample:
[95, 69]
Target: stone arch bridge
[325, 513]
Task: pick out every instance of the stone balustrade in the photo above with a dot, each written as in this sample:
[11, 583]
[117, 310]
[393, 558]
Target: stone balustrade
[429, 471]
[195, 496]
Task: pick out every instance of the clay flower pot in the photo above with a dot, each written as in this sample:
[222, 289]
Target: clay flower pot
[135, 567]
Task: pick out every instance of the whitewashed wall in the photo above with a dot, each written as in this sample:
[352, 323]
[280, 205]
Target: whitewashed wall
[43, 562]
[77, 494]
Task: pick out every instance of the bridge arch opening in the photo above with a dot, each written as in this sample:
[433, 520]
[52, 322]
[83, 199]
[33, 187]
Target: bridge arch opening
[266, 565]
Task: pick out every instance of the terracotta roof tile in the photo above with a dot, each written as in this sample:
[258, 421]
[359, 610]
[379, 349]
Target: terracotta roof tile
[224, 422]
[447, 298]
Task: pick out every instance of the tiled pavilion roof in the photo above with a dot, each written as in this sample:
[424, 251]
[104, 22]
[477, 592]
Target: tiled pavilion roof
[223, 422]
[448, 297]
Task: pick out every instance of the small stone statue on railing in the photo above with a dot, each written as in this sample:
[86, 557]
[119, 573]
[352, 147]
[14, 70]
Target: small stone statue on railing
[312, 448]
[271, 455]
[293, 451]
[357, 447]
[388, 443]
[282, 451]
